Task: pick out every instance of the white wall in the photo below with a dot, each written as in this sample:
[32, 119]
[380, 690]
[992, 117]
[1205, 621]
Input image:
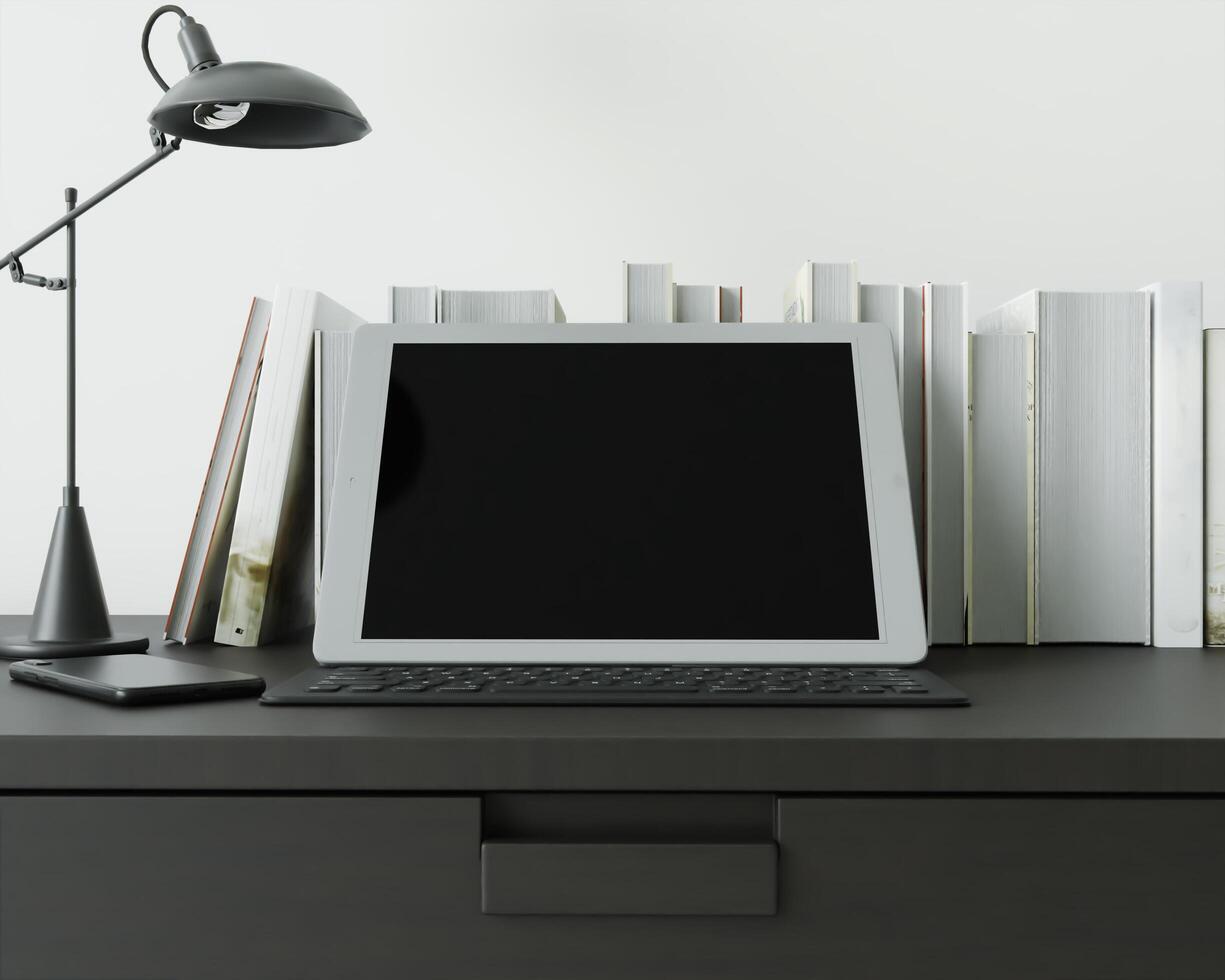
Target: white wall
[538, 143]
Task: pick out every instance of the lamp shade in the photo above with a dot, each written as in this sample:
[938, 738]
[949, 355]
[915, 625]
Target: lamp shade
[285, 107]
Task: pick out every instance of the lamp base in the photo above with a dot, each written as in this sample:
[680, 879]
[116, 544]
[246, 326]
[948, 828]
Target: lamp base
[23, 648]
[70, 617]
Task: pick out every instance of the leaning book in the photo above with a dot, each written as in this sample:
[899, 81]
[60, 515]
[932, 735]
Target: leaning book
[269, 587]
[197, 596]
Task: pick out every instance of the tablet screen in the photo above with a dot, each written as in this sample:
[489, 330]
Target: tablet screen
[663, 491]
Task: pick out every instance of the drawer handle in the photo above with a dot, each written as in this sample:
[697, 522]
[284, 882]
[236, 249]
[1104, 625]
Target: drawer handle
[582, 878]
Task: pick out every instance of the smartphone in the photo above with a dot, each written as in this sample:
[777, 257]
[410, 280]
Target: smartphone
[136, 678]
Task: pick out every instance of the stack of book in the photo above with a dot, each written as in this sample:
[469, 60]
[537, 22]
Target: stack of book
[1056, 457]
[1066, 459]
[649, 295]
[1085, 480]
[928, 325]
[253, 561]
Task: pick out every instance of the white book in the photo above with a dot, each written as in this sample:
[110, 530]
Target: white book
[823, 292]
[412, 304]
[910, 394]
[999, 551]
[648, 292]
[731, 304]
[1176, 313]
[885, 304]
[1092, 469]
[333, 352]
[269, 579]
[945, 323]
[499, 306]
[1214, 487]
[197, 596]
[697, 304]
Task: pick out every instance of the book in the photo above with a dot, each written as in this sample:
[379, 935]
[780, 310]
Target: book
[648, 292]
[708, 304]
[269, 580]
[197, 596]
[1092, 490]
[697, 304]
[1176, 314]
[731, 304]
[333, 352]
[499, 306]
[823, 292]
[945, 321]
[413, 304]
[886, 305]
[1214, 487]
[910, 394]
[999, 551]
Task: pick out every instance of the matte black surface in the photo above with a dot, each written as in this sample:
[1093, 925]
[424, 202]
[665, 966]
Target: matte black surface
[136, 679]
[629, 817]
[1047, 719]
[904, 849]
[289, 107]
[621, 491]
[625, 684]
[1004, 889]
[563, 878]
[242, 888]
[133, 888]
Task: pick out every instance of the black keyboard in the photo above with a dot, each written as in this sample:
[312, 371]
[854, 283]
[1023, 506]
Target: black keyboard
[629, 684]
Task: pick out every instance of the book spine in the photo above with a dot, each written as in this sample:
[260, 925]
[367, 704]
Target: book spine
[1176, 310]
[318, 384]
[1093, 552]
[910, 392]
[1214, 487]
[971, 516]
[731, 304]
[625, 292]
[998, 525]
[1031, 489]
[945, 316]
[834, 293]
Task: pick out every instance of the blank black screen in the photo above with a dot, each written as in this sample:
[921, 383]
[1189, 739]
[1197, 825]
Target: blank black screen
[621, 491]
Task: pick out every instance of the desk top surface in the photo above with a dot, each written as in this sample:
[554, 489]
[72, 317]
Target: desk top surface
[1047, 719]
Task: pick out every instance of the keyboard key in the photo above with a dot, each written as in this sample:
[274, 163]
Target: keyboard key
[365, 688]
[409, 688]
[324, 688]
[865, 689]
[459, 687]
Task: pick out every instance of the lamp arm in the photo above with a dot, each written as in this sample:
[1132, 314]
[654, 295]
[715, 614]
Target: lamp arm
[164, 148]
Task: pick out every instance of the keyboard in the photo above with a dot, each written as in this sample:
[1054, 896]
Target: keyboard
[604, 685]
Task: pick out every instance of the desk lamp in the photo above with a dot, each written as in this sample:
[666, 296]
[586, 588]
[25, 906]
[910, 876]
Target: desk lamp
[244, 103]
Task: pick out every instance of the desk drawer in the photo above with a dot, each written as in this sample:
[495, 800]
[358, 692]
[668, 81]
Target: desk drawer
[376, 888]
[1006, 888]
[234, 888]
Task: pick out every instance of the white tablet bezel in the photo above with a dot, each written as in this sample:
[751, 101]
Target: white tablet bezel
[340, 609]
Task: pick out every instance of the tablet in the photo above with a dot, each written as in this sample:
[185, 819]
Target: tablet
[614, 493]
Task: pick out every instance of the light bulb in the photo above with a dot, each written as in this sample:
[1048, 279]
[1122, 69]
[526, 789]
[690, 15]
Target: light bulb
[219, 115]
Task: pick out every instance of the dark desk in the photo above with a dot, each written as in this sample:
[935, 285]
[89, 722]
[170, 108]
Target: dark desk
[1070, 825]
